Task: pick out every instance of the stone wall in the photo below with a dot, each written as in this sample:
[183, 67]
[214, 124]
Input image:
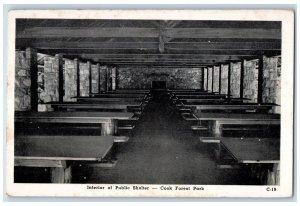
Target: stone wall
[95, 78]
[224, 79]
[84, 79]
[272, 81]
[22, 81]
[250, 84]
[216, 76]
[51, 84]
[205, 79]
[70, 80]
[235, 79]
[210, 72]
[142, 77]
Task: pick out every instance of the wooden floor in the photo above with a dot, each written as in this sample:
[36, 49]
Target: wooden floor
[163, 150]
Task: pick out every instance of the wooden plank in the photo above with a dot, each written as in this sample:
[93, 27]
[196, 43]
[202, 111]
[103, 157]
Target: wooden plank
[89, 107]
[86, 23]
[137, 52]
[210, 140]
[22, 162]
[244, 33]
[153, 57]
[201, 96]
[154, 45]
[212, 101]
[124, 95]
[236, 117]
[253, 150]
[70, 117]
[71, 32]
[230, 106]
[108, 99]
[39, 148]
[132, 104]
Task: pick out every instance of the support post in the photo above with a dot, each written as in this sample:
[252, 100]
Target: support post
[260, 79]
[108, 128]
[90, 76]
[31, 56]
[242, 79]
[229, 82]
[220, 78]
[212, 78]
[202, 79]
[76, 65]
[99, 82]
[207, 78]
[61, 92]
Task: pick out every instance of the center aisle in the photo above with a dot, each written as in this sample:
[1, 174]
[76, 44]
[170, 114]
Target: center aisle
[163, 150]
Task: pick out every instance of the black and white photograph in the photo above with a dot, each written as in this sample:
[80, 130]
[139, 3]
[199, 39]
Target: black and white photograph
[152, 104]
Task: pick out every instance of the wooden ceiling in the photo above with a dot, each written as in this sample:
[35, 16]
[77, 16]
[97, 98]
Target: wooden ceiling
[162, 43]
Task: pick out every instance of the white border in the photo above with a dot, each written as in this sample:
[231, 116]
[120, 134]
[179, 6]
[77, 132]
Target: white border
[285, 188]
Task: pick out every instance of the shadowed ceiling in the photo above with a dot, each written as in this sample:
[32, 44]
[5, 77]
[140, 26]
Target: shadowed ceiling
[163, 43]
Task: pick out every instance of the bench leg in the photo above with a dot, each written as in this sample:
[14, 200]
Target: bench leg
[109, 128]
[61, 174]
[216, 128]
[274, 175]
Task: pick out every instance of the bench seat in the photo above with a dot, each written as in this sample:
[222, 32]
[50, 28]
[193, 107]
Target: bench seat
[210, 140]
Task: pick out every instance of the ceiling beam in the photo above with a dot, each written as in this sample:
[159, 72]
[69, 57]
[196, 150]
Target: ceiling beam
[155, 52]
[94, 32]
[162, 45]
[162, 61]
[164, 56]
[20, 41]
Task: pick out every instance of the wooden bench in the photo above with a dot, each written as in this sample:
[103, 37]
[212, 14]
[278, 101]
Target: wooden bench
[59, 152]
[189, 117]
[254, 151]
[217, 120]
[108, 99]
[107, 120]
[231, 107]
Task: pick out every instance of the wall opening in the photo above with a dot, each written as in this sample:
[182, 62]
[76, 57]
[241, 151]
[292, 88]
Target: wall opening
[159, 85]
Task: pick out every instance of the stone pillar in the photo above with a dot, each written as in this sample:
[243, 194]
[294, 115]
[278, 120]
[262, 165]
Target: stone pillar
[235, 79]
[205, 79]
[271, 86]
[70, 79]
[89, 66]
[26, 96]
[94, 78]
[250, 83]
[216, 73]
[51, 78]
[113, 78]
[224, 79]
[210, 79]
[84, 79]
